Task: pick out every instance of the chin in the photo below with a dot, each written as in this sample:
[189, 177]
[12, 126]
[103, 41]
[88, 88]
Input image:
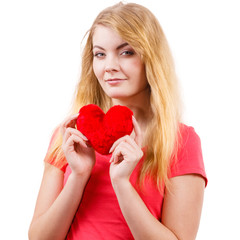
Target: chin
[116, 94]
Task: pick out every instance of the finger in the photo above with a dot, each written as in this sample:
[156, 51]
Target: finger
[76, 132]
[118, 156]
[117, 142]
[65, 134]
[75, 139]
[71, 121]
[127, 139]
[68, 122]
[117, 159]
[137, 130]
[130, 147]
[126, 147]
[73, 132]
[122, 150]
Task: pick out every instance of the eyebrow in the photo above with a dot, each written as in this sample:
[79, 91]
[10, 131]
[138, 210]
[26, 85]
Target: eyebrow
[119, 47]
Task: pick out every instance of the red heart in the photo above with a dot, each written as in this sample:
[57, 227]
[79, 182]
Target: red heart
[101, 129]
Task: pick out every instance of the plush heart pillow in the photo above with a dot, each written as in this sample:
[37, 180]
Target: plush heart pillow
[101, 129]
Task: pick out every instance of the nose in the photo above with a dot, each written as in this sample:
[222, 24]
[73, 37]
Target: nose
[112, 64]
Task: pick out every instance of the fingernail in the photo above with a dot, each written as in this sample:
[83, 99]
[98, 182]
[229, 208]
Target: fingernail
[85, 138]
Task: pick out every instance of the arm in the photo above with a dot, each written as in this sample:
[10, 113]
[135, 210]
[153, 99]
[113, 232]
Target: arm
[56, 206]
[182, 202]
[180, 214]
[182, 206]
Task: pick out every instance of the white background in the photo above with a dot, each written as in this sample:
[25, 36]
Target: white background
[39, 68]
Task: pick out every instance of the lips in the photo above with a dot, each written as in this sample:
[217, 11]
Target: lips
[114, 81]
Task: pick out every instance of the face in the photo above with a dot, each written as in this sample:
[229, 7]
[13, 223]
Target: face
[117, 66]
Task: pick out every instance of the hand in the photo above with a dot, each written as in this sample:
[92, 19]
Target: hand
[79, 154]
[126, 154]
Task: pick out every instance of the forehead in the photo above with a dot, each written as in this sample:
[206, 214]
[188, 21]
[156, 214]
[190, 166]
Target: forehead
[105, 35]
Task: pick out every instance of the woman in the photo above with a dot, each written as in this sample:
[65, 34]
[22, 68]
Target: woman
[151, 185]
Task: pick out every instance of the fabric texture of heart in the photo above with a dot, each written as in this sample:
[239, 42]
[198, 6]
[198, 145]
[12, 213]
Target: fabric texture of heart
[101, 129]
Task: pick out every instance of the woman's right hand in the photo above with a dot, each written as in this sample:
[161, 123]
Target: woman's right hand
[79, 154]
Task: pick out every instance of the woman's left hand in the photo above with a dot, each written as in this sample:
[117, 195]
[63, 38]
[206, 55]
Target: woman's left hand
[126, 153]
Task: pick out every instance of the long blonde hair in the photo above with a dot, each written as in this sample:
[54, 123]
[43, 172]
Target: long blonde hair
[139, 27]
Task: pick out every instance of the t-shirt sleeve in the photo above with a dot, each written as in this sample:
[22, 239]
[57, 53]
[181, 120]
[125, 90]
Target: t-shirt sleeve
[189, 158]
[60, 163]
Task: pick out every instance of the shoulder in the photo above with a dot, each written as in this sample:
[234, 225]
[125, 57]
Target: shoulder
[188, 141]
[189, 158]
[186, 132]
[54, 154]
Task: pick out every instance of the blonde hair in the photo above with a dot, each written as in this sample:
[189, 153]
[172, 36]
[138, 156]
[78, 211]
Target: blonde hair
[139, 27]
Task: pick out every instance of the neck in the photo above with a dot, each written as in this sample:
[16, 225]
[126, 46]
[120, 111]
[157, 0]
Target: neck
[140, 106]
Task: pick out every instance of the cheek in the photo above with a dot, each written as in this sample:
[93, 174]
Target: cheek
[137, 68]
[130, 67]
[140, 74]
[97, 69]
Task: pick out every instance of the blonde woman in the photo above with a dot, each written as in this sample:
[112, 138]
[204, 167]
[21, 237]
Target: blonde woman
[151, 185]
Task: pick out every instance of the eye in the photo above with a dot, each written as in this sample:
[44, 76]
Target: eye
[127, 52]
[99, 54]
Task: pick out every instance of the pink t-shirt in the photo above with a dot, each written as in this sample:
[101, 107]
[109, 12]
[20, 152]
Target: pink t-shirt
[99, 215]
